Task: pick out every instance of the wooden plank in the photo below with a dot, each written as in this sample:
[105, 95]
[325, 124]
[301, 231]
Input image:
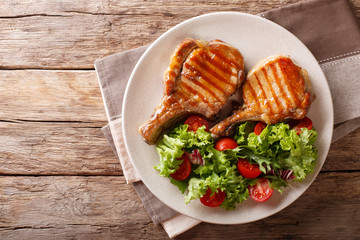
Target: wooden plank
[142, 7]
[72, 208]
[50, 96]
[56, 148]
[344, 154]
[135, 7]
[49, 148]
[73, 35]
[105, 207]
[70, 42]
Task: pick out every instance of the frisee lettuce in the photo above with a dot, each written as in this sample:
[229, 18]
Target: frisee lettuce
[173, 144]
[276, 148]
[279, 147]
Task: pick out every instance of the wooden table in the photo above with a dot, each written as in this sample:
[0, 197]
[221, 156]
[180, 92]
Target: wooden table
[59, 178]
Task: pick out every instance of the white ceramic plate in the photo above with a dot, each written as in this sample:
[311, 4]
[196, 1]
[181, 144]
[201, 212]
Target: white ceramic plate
[256, 38]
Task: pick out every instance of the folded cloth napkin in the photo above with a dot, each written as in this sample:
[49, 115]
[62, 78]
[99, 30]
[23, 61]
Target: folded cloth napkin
[327, 27]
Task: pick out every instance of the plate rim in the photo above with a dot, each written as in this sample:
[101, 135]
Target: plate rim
[168, 32]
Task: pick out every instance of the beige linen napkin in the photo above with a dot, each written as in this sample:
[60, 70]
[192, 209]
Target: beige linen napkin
[113, 73]
[327, 27]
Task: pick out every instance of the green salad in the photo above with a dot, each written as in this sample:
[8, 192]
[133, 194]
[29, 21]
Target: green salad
[251, 163]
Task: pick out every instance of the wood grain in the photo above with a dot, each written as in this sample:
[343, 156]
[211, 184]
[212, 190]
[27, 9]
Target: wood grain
[344, 155]
[72, 35]
[71, 208]
[135, 7]
[107, 208]
[39, 95]
[49, 148]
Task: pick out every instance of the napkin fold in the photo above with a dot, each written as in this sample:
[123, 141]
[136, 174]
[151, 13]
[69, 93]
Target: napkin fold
[327, 27]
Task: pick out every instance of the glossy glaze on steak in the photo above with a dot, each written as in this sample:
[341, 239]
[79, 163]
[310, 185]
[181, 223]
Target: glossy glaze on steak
[199, 80]
[275, 89]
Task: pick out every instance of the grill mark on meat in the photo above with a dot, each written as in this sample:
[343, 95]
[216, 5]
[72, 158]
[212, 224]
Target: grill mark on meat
[226, 65]
[288, 96]
[253, 95]
[186, 97]
[170, 101]
[285, 69]
[276, 105]
[182, 95]
[257, 92]
[194, 93]
[266, 90]
[299, 90]
[171, 74]
[204, 68]
[265, 103]
[199, 83]
[225, 68]
[224, 58]
[278, 87]
[209, 80]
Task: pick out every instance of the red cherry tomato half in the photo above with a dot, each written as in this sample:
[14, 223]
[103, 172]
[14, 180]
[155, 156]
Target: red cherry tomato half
[297, 125]
[259, 127]
[213, 199]
[225, 143]
[195, 122]
[247, 169]
[261, 191]
[184, 169]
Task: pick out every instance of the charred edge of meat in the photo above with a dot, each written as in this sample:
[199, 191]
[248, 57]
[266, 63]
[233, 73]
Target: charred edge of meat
[228, 131]
[180, 53]
[163, 129]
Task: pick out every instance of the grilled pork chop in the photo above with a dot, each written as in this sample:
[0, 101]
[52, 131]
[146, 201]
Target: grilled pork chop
[275, 89]
[199, 80]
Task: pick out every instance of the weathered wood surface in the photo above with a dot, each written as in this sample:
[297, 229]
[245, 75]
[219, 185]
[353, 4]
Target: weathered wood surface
[73, 34]
[43, 148]
[39, 95]
[59, 178]
[107, 208]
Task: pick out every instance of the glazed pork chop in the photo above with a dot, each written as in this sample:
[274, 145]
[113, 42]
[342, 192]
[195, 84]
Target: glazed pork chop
[275, 89]
[199, 80]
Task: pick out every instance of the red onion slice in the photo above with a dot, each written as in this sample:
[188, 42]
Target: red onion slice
[195, 157]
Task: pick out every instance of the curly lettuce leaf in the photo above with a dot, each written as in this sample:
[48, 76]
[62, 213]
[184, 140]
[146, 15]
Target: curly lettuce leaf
[243, 131]
[234, 185]
[279, 147]
[276, 149]
[277, 183]
[301, 153]
[219, 172]
[173, 144]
